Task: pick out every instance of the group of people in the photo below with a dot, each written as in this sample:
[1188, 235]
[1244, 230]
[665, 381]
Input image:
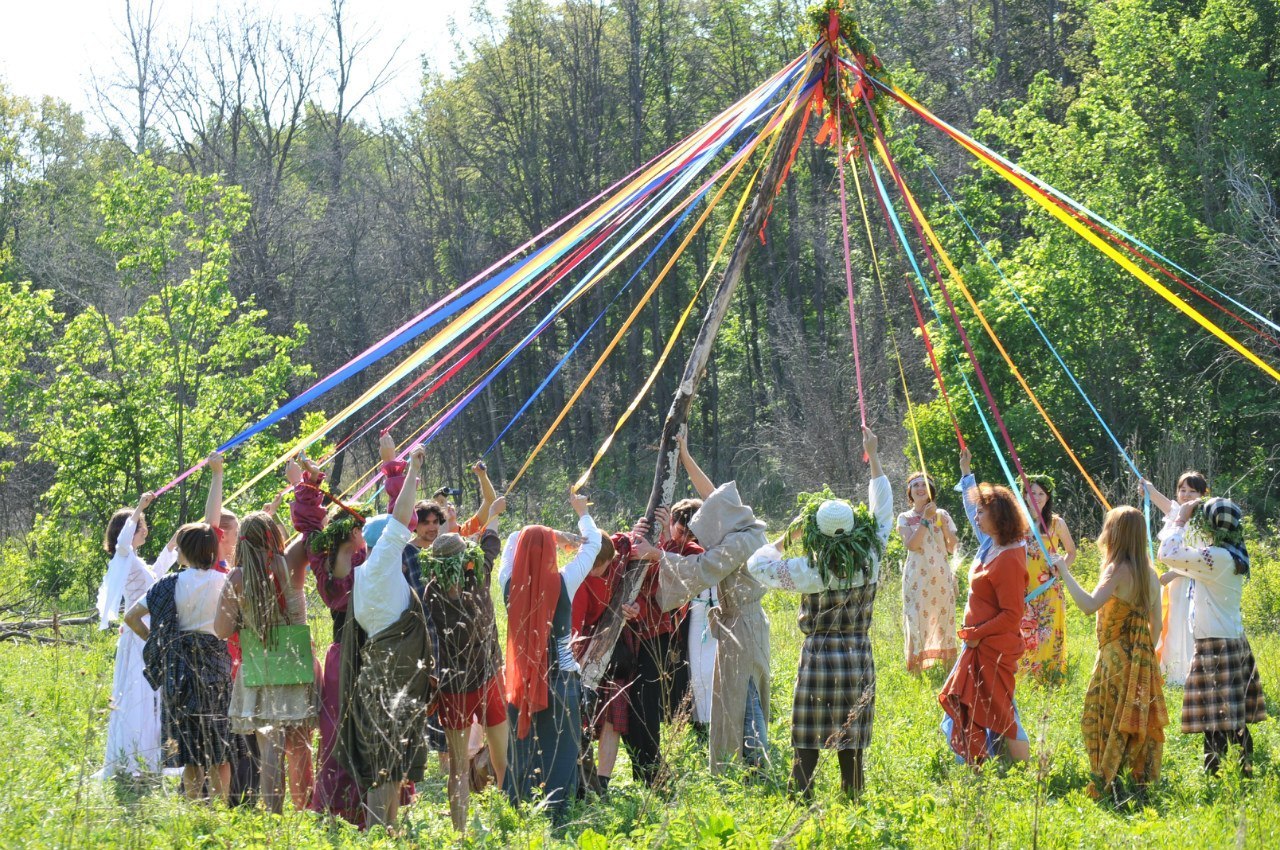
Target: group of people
[216, 673]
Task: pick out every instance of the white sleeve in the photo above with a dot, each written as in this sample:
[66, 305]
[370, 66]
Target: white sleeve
[1209, 563]
[380, 592]
[575, 572]
[880, 500]
[164, 563]
[508, 560]
[112, 590]
[793, 574]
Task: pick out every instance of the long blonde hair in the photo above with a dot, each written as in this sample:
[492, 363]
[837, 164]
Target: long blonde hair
[1123, 540]
[260, 550]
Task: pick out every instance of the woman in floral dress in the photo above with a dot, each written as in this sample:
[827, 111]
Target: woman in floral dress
[928, 585]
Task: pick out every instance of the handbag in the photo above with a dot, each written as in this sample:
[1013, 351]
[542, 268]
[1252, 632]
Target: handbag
[286, 658]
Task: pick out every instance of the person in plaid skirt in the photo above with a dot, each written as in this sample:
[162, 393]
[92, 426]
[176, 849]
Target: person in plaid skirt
[1223, 691]
[835, 693]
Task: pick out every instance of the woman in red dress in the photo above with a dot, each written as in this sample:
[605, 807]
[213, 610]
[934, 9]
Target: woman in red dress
[978, 695]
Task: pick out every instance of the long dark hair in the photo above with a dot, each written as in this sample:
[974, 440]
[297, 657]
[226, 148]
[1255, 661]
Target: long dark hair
[115, 525]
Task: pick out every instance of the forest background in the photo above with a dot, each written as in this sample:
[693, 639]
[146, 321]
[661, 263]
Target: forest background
[229, 227]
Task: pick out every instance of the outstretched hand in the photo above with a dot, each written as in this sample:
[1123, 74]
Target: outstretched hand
[966, 459]
[643, 550]
[293, 472]
[386, 447]
[145, 500]
[215, 463]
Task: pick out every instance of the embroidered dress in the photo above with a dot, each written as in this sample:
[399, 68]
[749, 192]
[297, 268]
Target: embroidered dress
[133, 727]
[928, 595]
[1044, 625]
[1124, 708]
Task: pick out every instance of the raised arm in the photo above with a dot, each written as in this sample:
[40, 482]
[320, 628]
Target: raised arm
[1160, 500]
[871, 447]
[701, 483]
[967, 483]
[1208, 563]
[213, 502]
[575, 572]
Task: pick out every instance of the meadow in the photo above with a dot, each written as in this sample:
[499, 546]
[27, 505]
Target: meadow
[53, 704]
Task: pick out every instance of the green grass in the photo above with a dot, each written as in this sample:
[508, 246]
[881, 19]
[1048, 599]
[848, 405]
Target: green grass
[52, 722]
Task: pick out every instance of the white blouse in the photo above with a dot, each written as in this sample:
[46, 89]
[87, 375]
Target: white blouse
[128, 577]
[196, 597]
[798, 575]
[1218, 585]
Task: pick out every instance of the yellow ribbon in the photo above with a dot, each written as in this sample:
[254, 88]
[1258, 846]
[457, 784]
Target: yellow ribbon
[973, 304]
[784, 111]
[1124, 262]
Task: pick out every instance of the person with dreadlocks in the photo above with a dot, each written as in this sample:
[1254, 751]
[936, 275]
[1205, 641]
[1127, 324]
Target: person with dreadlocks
[263, 595]
[387, 678]
[1177, 640]
[335, 547]
[928, 584]
[1224, 691]
[455, 574]
[543, 687]
[835, 693]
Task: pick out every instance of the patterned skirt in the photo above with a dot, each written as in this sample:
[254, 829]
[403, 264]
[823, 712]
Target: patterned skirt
[835, 698]
[1224, 691]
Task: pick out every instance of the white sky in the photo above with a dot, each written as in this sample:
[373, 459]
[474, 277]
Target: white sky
[53, 47]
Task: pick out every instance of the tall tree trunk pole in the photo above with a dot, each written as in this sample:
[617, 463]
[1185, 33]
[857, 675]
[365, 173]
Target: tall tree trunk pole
[595, 660]
[668, 468]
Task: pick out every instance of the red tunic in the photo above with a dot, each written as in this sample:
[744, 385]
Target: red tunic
[978, 695]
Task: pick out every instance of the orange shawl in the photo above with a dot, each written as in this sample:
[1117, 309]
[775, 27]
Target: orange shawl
[532, 595]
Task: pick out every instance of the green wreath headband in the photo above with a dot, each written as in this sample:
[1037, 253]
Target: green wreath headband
[449, 570]
[339, 530]
[839, 556]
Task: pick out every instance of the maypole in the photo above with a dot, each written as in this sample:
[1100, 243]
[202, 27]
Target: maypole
[832, 27]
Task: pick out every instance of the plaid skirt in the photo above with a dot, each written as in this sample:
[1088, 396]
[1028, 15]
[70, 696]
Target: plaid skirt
[1223, 690]
[835, 698]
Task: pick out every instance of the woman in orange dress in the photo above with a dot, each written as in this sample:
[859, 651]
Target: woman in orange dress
[978, 695]
[1124, 708]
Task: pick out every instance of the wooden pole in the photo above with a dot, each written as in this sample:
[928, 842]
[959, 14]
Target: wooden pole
[596, 658]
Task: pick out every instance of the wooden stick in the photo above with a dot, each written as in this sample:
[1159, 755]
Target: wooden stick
[595, 660]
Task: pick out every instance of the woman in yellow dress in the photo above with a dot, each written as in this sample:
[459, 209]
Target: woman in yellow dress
[1044, 623]
[1124, 708]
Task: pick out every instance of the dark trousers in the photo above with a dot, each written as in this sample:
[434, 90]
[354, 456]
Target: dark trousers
[647, 699]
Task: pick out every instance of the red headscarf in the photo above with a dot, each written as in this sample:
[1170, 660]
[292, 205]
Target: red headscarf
[531, 604]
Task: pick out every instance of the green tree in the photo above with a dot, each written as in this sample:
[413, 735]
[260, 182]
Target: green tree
[134, 401]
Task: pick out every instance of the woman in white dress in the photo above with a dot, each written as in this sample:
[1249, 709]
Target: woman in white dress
[1176, 645]
[133, 727]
